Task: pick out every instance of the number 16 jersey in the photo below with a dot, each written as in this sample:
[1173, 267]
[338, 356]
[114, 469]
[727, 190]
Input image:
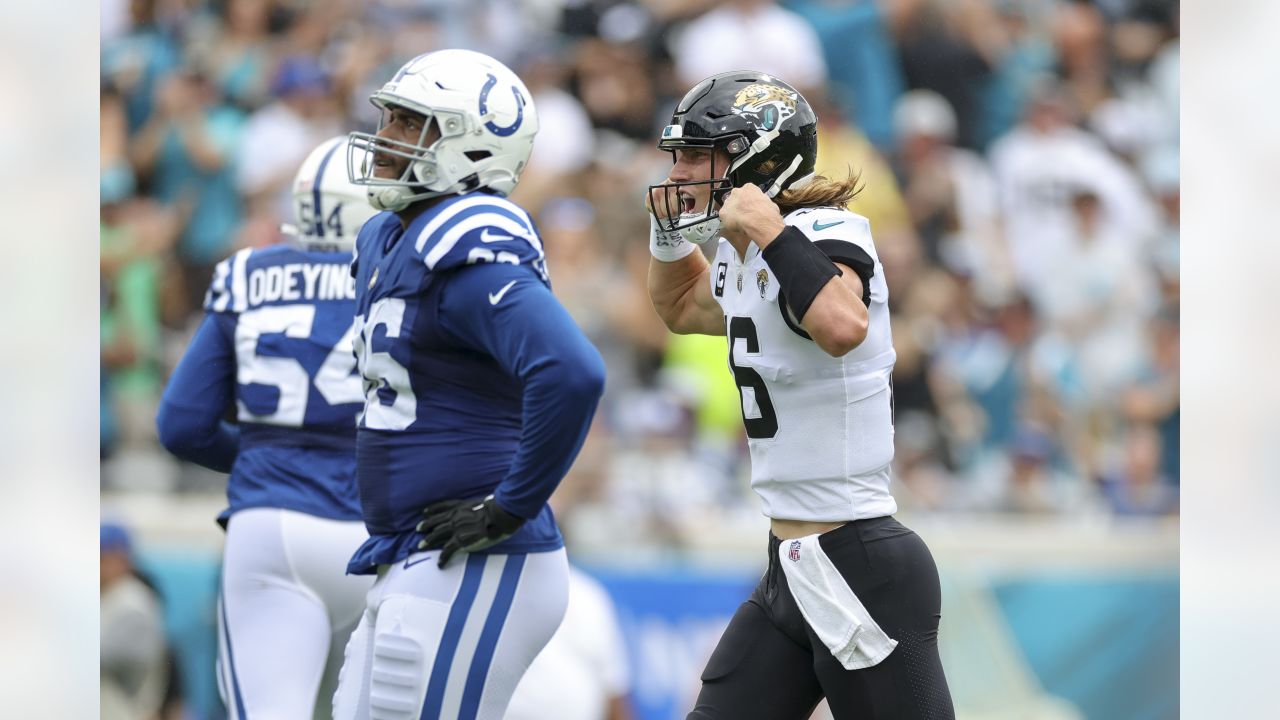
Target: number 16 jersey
[820, 428]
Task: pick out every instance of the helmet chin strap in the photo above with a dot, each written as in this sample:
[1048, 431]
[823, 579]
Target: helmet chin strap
[394, 198]
[703, 231]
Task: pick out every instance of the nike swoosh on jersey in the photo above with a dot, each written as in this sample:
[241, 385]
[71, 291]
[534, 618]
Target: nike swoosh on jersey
[417, 558]
[494, 298]
[819, 225]
[487, 237]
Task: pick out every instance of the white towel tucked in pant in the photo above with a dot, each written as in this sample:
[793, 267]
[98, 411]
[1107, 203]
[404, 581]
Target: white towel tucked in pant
[830, 607]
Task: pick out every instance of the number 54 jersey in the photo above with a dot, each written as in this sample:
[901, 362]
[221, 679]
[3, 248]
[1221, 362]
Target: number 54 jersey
[288, 314]
[820, 428]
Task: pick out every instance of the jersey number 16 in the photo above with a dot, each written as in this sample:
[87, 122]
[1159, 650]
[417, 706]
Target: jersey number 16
[766, 425]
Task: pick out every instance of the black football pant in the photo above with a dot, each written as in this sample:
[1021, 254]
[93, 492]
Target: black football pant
[770, 665]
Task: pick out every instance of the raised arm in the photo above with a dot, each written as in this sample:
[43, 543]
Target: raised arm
[679, 284]
[827, 297]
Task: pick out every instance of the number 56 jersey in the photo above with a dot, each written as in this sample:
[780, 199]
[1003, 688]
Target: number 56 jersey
[820, 428]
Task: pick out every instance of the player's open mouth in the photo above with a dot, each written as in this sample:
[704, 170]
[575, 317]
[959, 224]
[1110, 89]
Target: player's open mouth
[687, 203]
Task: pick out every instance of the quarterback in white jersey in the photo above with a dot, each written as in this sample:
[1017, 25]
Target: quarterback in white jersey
[819, 425]
[798, 288]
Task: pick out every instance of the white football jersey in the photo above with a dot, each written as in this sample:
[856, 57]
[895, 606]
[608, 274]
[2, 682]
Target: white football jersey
[820, 428]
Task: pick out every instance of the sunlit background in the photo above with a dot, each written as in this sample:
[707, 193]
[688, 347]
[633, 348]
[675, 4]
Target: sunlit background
[1022, 178]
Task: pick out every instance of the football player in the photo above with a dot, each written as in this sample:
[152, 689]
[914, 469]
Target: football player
[850, 605]
[479, 389]
[276, 342]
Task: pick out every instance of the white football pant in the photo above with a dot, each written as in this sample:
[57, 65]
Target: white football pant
[451, 644]
[285, 611]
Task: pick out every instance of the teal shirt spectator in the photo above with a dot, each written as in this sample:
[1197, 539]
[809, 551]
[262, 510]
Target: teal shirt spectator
[1009, 87]
[864, 77]
[216, 206]
[135, 64]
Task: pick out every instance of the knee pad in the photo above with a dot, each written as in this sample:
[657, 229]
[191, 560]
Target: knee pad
[405, 640]
[397, 678]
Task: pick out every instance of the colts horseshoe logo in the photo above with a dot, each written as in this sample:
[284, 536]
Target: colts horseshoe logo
[491, 126]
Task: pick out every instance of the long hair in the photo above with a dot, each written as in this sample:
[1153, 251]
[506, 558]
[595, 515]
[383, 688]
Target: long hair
[822, 191]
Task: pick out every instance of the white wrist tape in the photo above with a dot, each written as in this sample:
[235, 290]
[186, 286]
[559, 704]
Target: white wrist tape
[667, 246]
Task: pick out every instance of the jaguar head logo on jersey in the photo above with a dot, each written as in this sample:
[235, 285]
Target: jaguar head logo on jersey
[766, 106]
[793, 553]
[762, 280]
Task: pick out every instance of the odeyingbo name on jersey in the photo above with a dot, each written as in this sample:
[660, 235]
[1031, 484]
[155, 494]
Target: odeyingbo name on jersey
[290, 311]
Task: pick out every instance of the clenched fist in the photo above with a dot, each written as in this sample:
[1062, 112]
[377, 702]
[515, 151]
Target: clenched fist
[748, 214]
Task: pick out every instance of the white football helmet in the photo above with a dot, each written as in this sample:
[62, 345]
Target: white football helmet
[486, 119]
[328, 209]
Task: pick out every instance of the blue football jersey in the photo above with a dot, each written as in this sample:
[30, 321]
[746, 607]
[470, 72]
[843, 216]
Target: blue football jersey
[288, 314]
[456, 324]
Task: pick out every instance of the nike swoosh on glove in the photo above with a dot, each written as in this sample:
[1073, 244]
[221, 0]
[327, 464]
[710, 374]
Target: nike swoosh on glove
[465, 525]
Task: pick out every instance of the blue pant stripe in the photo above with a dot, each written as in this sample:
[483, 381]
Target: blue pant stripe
[230, 664]
[452, 631]
[479, 671]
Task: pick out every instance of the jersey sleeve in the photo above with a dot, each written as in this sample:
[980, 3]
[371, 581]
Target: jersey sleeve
[846, 239]
[507, 312]
[228, 293]
[189, 421]
[478, 229]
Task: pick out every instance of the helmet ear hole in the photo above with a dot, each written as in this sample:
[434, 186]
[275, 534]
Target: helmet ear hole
[477, 155]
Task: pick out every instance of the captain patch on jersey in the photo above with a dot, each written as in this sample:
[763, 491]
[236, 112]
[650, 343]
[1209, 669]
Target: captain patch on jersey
[841, 450]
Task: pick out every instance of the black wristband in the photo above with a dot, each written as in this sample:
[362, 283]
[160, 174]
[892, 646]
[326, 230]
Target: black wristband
[801, 268]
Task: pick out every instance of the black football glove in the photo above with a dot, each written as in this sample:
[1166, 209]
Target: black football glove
[466, 525]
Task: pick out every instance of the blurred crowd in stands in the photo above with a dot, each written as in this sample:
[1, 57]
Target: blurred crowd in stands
[1020, 169]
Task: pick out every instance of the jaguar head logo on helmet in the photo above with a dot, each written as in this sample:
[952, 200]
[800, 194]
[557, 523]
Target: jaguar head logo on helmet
[453, 121]
[755, 129]
[765, 104]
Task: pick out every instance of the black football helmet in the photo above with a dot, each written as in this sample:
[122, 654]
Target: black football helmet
[764, 125]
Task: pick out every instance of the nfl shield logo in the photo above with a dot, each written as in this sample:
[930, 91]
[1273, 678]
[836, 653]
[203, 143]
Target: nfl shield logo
[794, 552]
